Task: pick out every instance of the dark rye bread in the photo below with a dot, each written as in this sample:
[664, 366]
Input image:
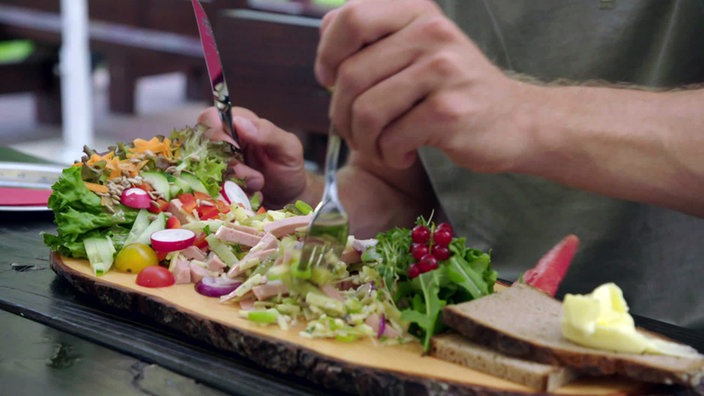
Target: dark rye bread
[454, 348]
[524, 322]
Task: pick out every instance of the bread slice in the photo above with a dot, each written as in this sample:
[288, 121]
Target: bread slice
[524, 322]
[454, 348]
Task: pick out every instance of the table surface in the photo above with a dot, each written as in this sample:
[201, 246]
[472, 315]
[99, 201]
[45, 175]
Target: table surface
[55, 338]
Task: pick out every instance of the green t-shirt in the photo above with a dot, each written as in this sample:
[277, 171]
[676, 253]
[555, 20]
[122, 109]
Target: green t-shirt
[655, 255]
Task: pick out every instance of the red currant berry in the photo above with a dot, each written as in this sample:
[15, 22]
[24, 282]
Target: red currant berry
[441, 252]
[442, 237]
[445, 226]
[413, 271]
[418, 250]
[427, 263]
[420, 234]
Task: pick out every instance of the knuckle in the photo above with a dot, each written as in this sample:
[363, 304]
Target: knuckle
[347, 79]
[444, 109]
[438, 27]
[351, 15]
[366, 116]
[444, 64]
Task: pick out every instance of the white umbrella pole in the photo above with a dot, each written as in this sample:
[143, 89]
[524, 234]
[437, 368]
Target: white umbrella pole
[76, 91]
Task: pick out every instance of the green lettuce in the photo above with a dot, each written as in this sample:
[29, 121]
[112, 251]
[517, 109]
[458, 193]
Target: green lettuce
[204, 158]
[79, 214]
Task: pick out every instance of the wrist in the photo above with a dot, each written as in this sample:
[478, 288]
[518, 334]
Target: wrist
[544, 120]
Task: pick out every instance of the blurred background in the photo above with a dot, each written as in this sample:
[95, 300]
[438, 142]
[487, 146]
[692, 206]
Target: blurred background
[75, 72]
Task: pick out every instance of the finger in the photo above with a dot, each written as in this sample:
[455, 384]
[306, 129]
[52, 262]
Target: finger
[327, 20]
[376, 110]
[370, 66]
[264, 136]
[210, 118]
[358, 24]
[254, 180]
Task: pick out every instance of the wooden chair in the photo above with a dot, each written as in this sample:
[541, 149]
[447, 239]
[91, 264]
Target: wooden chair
[268, 60]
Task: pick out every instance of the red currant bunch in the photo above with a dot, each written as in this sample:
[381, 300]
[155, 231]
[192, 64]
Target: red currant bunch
[429, 247]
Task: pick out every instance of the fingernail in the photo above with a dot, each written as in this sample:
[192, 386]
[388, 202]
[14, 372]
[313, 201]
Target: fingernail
[244, 125]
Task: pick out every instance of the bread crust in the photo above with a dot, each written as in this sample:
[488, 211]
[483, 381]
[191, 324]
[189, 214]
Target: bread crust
[524, 322]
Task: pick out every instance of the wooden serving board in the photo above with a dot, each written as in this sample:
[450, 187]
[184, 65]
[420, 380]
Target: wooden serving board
[361, 367]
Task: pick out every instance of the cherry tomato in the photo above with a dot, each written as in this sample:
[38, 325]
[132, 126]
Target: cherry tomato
[420, 234]
[155, 276]
[134, 257]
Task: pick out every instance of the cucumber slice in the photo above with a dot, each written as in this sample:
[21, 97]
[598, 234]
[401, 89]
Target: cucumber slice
[141, 222]
[181, 186]
[193, 182]
[159, 181]
[158, 224]
[100, 252]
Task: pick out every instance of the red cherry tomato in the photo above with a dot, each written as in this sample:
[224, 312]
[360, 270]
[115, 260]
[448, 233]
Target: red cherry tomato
[155, 276]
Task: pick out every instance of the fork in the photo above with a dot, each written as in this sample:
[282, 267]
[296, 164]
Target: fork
[329, 227]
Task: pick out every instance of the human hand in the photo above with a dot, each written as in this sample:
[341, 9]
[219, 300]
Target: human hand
[405, 76]
[273, 157]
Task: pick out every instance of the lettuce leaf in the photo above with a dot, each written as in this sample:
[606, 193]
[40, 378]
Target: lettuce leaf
[204, 158]
[79, 214]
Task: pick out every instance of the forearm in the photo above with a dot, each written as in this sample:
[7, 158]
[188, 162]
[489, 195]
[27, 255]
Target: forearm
[377, 199]
[631, 144]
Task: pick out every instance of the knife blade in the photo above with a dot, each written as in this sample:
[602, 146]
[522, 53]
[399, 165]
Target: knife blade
[221, 94]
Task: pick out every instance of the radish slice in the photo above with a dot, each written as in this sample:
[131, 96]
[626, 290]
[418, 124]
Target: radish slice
[234, 194]
[172, 239]
[136, 198]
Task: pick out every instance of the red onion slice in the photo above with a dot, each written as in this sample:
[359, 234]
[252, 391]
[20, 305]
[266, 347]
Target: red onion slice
[216, 287]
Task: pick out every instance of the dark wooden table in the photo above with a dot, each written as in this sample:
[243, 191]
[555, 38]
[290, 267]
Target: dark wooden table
[58, 341]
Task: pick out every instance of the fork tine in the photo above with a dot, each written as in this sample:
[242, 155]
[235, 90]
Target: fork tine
[329, 227]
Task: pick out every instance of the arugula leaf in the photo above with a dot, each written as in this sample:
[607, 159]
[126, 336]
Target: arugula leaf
[467, 267]
[427, 306]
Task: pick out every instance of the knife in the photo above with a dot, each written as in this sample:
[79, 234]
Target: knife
[221, 95]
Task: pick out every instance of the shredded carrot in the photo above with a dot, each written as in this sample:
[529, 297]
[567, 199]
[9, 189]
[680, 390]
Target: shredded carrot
[97, 188]
[261, 210]
[114, 167]
[154, 146]
[97, 158]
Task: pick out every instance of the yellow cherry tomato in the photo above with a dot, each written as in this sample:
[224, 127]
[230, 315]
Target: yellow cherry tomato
[135, 257]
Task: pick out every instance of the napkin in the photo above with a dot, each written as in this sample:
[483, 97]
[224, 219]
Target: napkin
[18, 196]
